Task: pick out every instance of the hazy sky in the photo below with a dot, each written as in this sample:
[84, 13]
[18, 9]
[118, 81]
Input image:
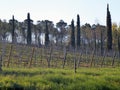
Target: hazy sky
[90, 11]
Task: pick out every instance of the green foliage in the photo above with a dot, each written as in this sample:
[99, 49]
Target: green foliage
[78, 39]
[61, 26]
[72, 34]
[60, 79]
[13, 29]
[29, 37]
[46, 34]
[109, 29]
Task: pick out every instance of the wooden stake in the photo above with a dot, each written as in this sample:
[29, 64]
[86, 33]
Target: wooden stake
[113, 61]
[65, 55]
[92, 59]
[10, 52]
[31, 58]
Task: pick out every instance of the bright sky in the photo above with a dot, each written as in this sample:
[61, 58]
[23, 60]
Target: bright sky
[90, 11]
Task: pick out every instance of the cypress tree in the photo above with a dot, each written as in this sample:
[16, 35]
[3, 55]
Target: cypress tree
[72, 34]
[78, 32]
[13, 29]
[101, 40]
[109, 29]
[28, 29]
[119, 45]
[46, 33]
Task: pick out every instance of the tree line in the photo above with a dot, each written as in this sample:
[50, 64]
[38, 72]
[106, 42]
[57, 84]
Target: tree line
[44, 32]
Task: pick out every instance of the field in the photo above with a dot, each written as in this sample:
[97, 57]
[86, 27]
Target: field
[32, 68]
[60, 79]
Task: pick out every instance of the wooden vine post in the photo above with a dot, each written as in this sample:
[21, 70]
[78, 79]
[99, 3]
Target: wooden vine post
[92, 59]
[75, 63]
[10, 53]
[113, 61]
[31, 58]
[65, 56]
[103, 60]
[1, 63]
[50, 57]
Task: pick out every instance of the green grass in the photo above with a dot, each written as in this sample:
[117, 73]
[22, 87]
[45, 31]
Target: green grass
[60, 79]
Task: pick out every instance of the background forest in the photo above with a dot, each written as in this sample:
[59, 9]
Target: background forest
[45, 32]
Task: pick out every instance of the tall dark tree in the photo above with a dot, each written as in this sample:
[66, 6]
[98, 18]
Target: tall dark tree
[101, 40]
[29, 39]
[46, 33]
[72, 42]
[78, 32]
[109, 29]
[12, 26]
[119, 45]
[13, 29]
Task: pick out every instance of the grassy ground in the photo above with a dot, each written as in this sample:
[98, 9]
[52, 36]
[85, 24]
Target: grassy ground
[60, 79]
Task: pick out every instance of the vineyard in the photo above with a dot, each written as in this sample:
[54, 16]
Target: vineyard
[53, 57]
[51, 68]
